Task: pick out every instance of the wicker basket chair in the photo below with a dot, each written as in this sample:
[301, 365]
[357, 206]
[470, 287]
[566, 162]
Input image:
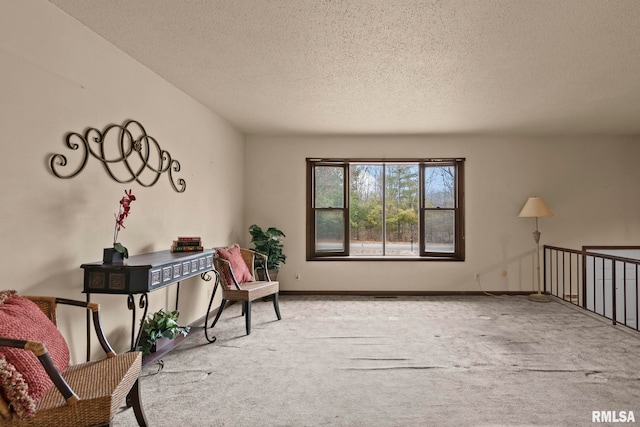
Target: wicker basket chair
[85, 394]
[235, 289]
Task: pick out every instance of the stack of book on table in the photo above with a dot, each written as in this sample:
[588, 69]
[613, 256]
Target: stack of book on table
[187, 244]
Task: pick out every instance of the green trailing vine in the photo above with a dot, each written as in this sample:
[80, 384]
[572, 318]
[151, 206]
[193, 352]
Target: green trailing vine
[161, 324]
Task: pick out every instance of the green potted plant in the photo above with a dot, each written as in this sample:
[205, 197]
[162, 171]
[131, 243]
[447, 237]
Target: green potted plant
[161, 324]
[268, 242]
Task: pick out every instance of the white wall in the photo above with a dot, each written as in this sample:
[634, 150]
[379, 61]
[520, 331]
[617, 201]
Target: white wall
[591, 184]
[56, 76]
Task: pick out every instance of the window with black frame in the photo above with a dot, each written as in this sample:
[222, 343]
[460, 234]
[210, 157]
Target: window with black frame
[381, 209]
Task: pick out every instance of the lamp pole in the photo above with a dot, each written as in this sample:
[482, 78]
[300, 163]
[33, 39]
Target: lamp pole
[539, 297]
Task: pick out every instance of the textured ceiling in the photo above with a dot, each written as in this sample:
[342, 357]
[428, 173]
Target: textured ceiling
[390, 66]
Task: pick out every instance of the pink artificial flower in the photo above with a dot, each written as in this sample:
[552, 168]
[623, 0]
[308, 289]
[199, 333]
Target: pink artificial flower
[123, 212]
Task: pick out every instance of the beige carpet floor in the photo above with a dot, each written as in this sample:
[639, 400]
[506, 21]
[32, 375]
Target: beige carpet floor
[406, 361]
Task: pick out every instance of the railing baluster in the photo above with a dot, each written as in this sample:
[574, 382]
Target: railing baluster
[614, 300]
[595, 301]
[624, 289]
[557, 270]
[570, 280]
[544, 269]
[583, 275]
[586, 295]
[564, 256]
[581, 279]
[604, 301]
[637, 301]
[579, 261]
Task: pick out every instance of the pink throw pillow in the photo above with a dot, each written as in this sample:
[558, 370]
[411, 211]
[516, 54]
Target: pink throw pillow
[239, 267]
[23, 380]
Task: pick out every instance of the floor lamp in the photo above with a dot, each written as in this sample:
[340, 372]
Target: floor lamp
[536, 207]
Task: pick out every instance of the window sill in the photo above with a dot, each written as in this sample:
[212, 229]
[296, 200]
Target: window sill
[385, 258]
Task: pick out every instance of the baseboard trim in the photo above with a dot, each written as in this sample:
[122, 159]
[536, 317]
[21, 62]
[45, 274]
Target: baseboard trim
[390, 294]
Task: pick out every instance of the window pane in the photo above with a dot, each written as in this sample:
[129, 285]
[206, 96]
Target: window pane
[329, 191]
[439, 187]
[439, 231]
[330, 231]
[385, 209]
[365, 209]
[401, 209]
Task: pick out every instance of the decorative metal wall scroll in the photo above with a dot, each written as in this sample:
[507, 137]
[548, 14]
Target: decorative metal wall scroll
[127, 153]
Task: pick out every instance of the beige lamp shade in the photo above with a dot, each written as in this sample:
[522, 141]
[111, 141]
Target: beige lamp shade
[535, 207]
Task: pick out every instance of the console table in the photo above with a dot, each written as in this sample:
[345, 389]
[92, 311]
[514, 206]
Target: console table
[141, 274]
